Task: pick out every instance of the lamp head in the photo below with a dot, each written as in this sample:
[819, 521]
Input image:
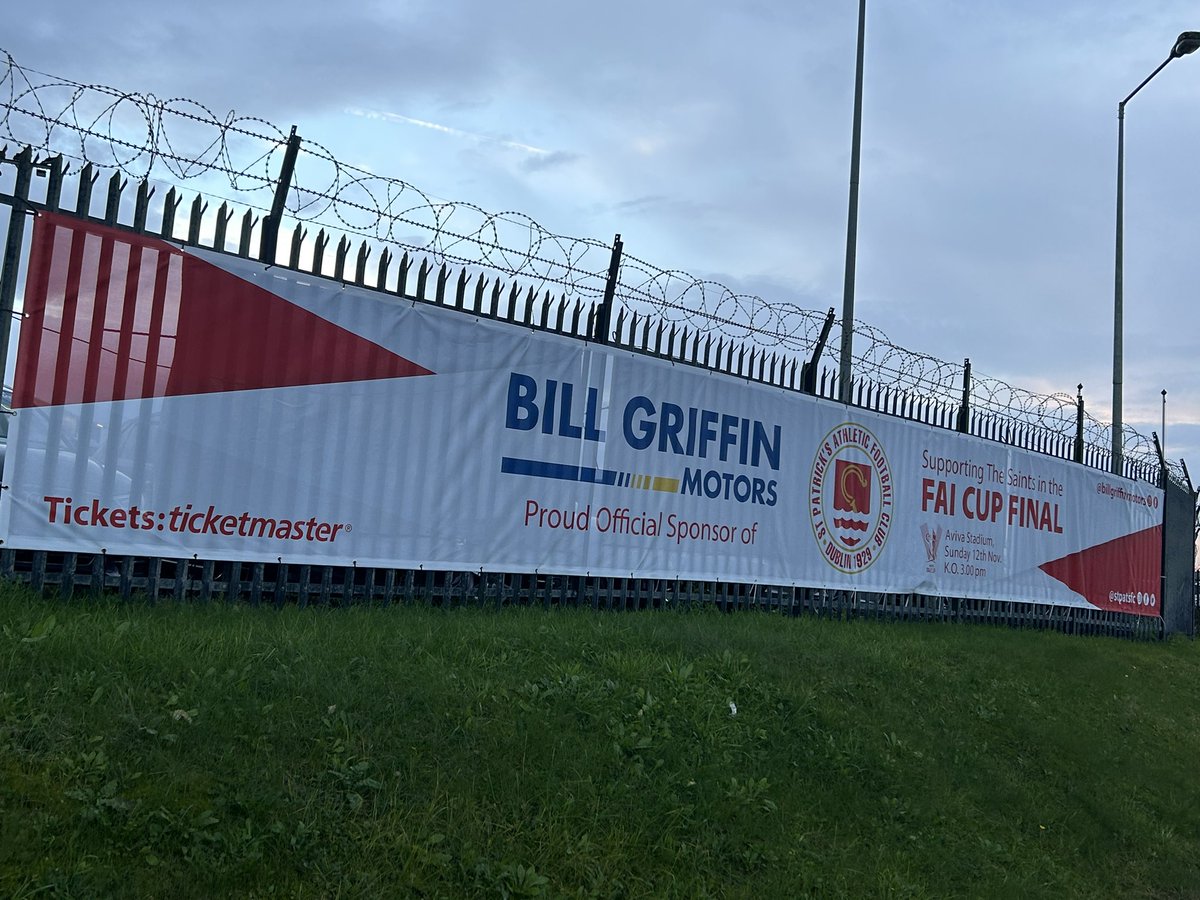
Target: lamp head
[1188, 42]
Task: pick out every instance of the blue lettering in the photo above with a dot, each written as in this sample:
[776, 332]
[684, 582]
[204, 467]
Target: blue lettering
[555, 412]
[691, 481]
[565, 428]
[548, 407]
[764, 445]
[591, 431]
[725, 486]
[522, 411]
[729, 426]
[668, 432]
[694, 432]
[645, 435]
[708, 431]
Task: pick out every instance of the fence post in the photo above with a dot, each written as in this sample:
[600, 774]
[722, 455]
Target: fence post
[964, 411]
[1162, 460]
[271, 222]
[1162, 562]
[808, 373]
[604, 315]
[54, 181]
[12, 252]
[1079, 426]
[112, 204]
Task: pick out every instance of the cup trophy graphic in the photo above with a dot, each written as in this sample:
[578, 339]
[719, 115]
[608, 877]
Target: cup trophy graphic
[931, 539]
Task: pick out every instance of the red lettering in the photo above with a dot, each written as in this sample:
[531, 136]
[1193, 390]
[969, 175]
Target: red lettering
[181, 520]
[53, 501]
[99, 514]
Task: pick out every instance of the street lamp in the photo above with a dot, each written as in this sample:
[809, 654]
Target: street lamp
[1187, 42]
[844, 376]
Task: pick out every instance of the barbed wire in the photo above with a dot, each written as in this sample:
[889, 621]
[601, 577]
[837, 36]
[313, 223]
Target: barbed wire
[141, 135]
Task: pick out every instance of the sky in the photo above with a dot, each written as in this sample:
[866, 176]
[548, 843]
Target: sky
[715, 138]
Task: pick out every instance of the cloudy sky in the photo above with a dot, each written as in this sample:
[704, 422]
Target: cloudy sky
[716, 139]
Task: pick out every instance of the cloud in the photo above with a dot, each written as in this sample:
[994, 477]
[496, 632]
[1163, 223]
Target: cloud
[446, 129]
[549, 160]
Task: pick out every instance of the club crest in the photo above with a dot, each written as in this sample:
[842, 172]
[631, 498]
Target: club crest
[850, 498]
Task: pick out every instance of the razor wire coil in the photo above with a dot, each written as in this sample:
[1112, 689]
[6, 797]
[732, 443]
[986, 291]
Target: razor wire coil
[141, 135]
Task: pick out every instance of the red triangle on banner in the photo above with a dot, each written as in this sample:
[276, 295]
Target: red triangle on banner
[112, 315]
[1122, 575]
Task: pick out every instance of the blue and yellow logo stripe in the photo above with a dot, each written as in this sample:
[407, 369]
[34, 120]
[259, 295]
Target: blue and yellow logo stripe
[534, 468]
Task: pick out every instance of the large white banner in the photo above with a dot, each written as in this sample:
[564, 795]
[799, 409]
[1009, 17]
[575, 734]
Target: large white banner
[177, 402]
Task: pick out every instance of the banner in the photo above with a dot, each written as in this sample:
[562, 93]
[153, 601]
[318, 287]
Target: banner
[173, 402]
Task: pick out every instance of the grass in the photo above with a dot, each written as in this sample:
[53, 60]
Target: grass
[201, 751]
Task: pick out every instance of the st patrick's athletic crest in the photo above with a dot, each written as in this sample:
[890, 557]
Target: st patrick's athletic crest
[851, 496]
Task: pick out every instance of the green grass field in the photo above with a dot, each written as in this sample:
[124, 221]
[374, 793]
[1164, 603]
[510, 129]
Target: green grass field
[218, 751]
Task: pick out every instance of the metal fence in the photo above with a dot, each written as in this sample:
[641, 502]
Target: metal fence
[410, 277]
[71, 575]
[40, 183]
[272, 172]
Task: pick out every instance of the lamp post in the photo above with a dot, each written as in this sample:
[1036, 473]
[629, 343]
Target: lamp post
[1187, 42]
[852, 218]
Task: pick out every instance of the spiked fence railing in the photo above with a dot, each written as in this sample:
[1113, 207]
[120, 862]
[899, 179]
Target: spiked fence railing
[138, 136]
[419, 278]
